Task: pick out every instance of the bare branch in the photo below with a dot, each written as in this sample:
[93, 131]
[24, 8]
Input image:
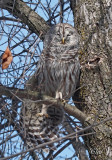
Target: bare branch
[72, 135]
[32, 95]
[19, 9]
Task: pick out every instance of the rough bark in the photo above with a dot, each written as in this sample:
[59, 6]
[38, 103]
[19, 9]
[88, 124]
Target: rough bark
[93, 19]
[20, 10]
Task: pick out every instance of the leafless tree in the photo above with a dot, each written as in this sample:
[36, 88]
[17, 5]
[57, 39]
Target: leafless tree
[23, 25]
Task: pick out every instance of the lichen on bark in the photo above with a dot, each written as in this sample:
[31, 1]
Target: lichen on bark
[94, 22]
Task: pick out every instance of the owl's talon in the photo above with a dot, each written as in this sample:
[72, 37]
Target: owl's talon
[42, 115]
[46, 115]
[63, 101]
[58, 95]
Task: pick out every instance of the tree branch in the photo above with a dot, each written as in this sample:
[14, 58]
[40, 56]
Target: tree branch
[19, 9]
[22, 94]
[71, 136]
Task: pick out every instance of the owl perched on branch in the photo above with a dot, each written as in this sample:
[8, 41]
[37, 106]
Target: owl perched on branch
[56, 76]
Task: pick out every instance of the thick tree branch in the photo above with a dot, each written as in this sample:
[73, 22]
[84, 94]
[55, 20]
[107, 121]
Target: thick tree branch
[19, 9]
[35, 96]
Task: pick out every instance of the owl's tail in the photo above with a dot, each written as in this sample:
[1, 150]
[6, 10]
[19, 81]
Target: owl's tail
[41, 129]
[34, 140]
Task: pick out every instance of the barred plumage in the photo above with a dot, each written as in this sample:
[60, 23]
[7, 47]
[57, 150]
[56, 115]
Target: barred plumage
[58, 72]
[59, 67]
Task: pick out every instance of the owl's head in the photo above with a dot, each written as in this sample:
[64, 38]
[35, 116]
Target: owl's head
[62, 34]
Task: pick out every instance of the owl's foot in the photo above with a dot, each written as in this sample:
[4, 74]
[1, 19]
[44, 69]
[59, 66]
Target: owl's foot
[42, 115]
[63, 101]
[43, 112]
[58, 95]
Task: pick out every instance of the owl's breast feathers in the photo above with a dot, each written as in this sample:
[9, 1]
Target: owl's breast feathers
[59, 53]
[59, 71]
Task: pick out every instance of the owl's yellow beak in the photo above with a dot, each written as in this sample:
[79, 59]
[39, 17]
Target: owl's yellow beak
[63, 40]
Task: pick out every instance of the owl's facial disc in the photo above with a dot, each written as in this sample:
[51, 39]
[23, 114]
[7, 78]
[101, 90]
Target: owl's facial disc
[64, 35]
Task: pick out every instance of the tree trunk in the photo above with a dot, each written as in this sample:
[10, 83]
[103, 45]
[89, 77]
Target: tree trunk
[93, 19]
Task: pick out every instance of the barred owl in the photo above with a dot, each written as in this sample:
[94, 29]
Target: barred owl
[57, 76]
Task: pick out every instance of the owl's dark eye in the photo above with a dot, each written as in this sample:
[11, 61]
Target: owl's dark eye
[58, 34]
[68, 35]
